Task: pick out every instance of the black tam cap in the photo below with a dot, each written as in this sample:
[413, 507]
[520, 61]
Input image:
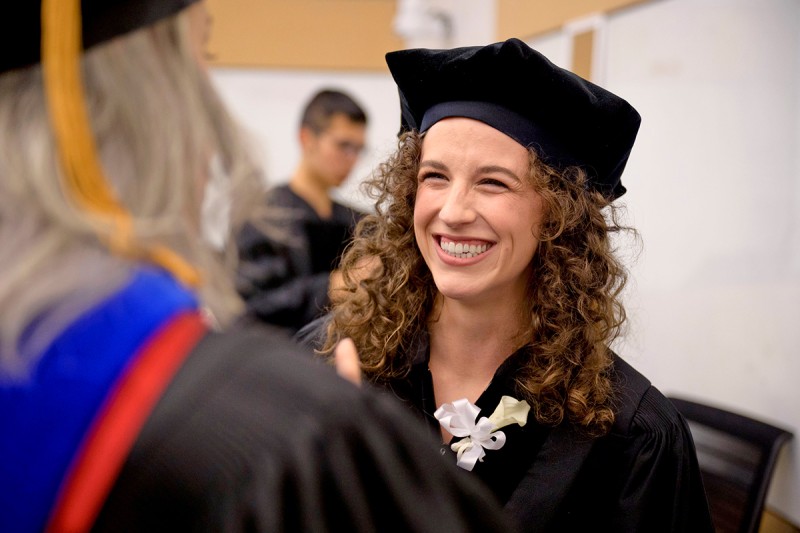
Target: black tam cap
[20, 25]
[518, 91]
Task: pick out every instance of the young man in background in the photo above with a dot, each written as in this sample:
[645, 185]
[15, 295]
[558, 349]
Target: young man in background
[285, 278]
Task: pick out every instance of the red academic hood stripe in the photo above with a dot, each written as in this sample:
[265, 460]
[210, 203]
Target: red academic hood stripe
[114, 432]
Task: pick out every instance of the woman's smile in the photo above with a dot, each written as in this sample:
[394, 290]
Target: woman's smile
[462, 248]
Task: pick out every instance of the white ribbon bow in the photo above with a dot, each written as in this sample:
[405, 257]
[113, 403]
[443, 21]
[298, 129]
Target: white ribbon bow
[458, 418]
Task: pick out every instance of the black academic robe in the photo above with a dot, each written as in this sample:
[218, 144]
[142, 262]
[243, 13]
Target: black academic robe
[642, 476]
[285, 281]
[138, 418]
[250, 436]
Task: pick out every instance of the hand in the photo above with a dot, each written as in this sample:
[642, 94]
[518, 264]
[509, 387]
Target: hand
[346, 360]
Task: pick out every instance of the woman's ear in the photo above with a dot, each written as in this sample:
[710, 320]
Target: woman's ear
[199, 31]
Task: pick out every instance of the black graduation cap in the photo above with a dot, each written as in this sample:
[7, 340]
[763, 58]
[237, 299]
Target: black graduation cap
[518, 91]
[20, 24]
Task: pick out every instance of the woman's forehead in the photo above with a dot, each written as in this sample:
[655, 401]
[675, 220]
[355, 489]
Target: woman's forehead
[460, 137]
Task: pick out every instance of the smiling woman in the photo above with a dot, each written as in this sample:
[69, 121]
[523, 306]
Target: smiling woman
[493, 295]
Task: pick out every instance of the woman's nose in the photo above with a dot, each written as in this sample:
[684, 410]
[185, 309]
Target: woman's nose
[457, 208]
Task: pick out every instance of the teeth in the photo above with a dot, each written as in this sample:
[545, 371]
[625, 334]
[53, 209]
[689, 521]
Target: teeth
[461, 250]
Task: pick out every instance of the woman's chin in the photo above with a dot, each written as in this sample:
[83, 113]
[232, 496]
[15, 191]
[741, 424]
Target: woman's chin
[459, 292]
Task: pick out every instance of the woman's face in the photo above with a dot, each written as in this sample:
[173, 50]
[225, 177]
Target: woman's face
[476, 214]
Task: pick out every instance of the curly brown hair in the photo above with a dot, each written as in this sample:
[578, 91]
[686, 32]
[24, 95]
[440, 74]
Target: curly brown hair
[573, 293]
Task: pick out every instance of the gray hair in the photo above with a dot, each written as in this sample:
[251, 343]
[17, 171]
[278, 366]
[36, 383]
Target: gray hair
[158, 124]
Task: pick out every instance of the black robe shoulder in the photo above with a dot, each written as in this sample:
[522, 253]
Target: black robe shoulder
[642, 476]
[251, 437]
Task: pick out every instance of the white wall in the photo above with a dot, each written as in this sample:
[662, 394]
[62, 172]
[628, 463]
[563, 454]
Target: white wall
[713, 185]
[714, 189]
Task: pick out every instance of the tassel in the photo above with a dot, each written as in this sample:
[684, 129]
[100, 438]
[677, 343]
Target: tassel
[80, 162]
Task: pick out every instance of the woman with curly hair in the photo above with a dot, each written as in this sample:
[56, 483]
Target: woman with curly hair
[485, 293]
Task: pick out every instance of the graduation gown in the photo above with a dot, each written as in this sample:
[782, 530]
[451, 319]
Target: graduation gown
[642, 476]
[137, 418]
[285, 282]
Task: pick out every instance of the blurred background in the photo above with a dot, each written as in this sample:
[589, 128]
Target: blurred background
[713, 181]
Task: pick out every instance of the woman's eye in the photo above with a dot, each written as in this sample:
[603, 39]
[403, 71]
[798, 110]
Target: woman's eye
[493, 183]
[431, 176]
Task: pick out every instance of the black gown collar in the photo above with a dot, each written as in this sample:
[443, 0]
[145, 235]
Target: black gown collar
[503, 469]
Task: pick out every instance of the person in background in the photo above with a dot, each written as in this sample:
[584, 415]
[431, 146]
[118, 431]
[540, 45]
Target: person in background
[485, 293]
[128, 401]
[285, 279]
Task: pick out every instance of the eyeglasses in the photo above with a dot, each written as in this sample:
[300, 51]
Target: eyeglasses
[348, 147]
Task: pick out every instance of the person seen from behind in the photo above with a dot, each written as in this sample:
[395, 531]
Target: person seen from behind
[129, 401]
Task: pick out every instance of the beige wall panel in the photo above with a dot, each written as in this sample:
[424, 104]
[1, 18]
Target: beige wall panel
[525, 18]
[582, 51]
[774, 523]
[327, 34]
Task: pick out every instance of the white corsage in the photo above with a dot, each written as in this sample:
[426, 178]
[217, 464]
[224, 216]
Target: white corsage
[458, 418]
